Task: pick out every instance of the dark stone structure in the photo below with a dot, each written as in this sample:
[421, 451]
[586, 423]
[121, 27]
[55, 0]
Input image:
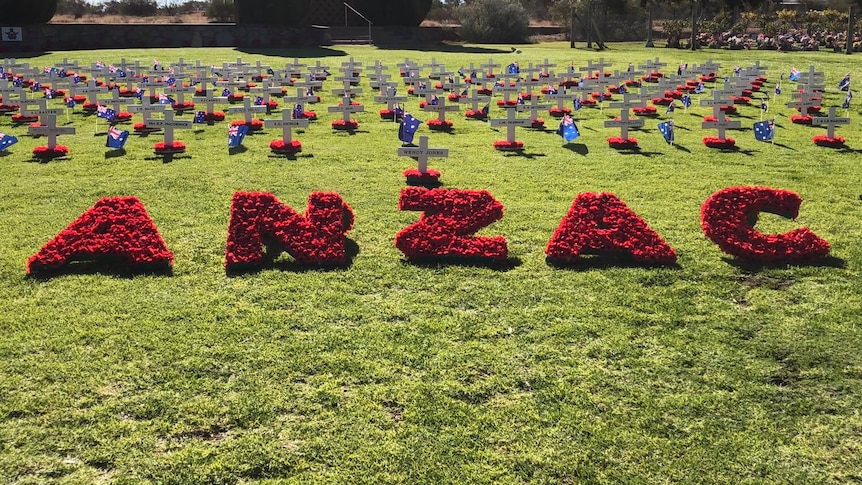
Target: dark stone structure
[407, 13]
[15, 12]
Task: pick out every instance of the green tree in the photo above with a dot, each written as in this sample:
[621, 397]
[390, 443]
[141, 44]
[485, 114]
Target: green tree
[499, 21]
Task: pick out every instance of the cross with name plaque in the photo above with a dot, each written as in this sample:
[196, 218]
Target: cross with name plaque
[804, 102]
[116, 102]
[511, 121]
[624, 123]
[488, 68]
[533, 107]
[718, 100]
[180, 93]
[831, 121]
[146, 108]
[300, 98]
[287, 124]
[349, 86]
[507, 91]
[266, 90]
[351, 67]
[50, 129]
[475, 99]
[210, 100]
[346, 109]
[545, 67]
[653, 66]
[561, 97]
[7, 90]
[422, 153]
[440, 108]
[597, 69]
[389, 98]
[247, 109]
[811, 80]
[41, 110]
[91, 91]
[293, 69]
[169, 124]
[722, 125]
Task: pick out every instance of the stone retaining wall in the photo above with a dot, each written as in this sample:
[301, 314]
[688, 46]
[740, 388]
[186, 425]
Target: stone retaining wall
[64, 37]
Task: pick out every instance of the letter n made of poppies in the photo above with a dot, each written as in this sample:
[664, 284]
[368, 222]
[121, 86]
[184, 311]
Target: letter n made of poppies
[261, 227]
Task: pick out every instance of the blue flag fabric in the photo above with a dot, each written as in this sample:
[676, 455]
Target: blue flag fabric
[794, 74]
[70, 101]
[699, 89]
[200, 117]
[106, 113]
[622, 89]
[235, 135]
[844, 85]
[846, 103]
[777, 89]
[568, 129]
[486, 110]
[670, 108]
[298, 112]
[513, 68]
[577, 104]
[225, 92]
[686, 101]
[116, 138]
[666, 130]
[764, 130]
[408, 128]
[7, 141]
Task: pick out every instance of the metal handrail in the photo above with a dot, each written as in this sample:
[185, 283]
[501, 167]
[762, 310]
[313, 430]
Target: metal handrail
[346, 6]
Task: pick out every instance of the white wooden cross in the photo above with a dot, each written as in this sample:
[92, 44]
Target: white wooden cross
[379, 79]
[346, 108]
[266, 90]
[545, 67]
[146, 108]
[67, 64]
[169, 124]
[422, 153]
[711, 66]
[718, 100]
[91, 91]
[349, 86]
[232, 85]
[259, 69]
[624, 123]
[530, 72]
[722, 125]
[50, 129]
[811, 80]
[475, 99]
[116, 101]
[488, 68]
[561, 97]
[210, 100]
[351, 67]
[390, 99]
[42, 110]
[415, 82]
[293, 69]
[156, 81]
[377, 69]
[440, 108]
[300, 98]
[507, 91]
[597, 68]
[247, 109]
[567, 79]
[533, 107]
[7, 90]
[287, 124]
[831, 121]
[511, 122]
[804, 102]
[653, 66]
[318, 70]
[180, 93]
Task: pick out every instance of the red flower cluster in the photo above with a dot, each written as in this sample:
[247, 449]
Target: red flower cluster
[436, 124]
[454, 97]
[558, 112]
[184, 106]
[386, 114]
[20, 119]
[622, 143]
[537, 123]
[90, 106]
[664, 101]
[504, 145]
[484, 92]
[503, 102]
[728, 218]
[279, 146]
[259, 219]
[345, 125]
[235, 97]
[45, 152]
[729, 109]
[715, 142]
[645, 111]
[449, 220]
[427, 179]
[476, 115]
[115, 228]
[801, 120]
[603, 224]
[122, 117]
[254, 125]
[825, 141]
[9, 108]
[175, 147]
[143, 128]
[741, 99]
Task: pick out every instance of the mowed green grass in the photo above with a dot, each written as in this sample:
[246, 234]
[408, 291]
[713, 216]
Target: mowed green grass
[389, 372]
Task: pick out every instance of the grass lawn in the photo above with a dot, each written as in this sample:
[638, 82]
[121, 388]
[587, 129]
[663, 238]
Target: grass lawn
[390, 372]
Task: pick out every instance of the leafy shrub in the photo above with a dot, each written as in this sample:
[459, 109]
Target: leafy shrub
[221, 10]
[139, 8]
[494, 21]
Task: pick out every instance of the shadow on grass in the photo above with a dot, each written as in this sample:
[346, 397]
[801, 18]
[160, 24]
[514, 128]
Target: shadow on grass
[606, 261]
[502, 266]
[115, 153]
[523, 154]
[753, 267]
[270, 262]
[169, 157]
[290, 156]
[236, 150]
[443, 47]
[638, 151]
[682, 148]
[5, 153]
[300, 52]
[578, 148]
[105, 267]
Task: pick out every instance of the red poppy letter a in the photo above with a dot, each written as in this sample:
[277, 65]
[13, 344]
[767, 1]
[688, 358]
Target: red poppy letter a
[603, 224]
[728, 218]
[259, 219]
[116, 229]
[447, 226]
